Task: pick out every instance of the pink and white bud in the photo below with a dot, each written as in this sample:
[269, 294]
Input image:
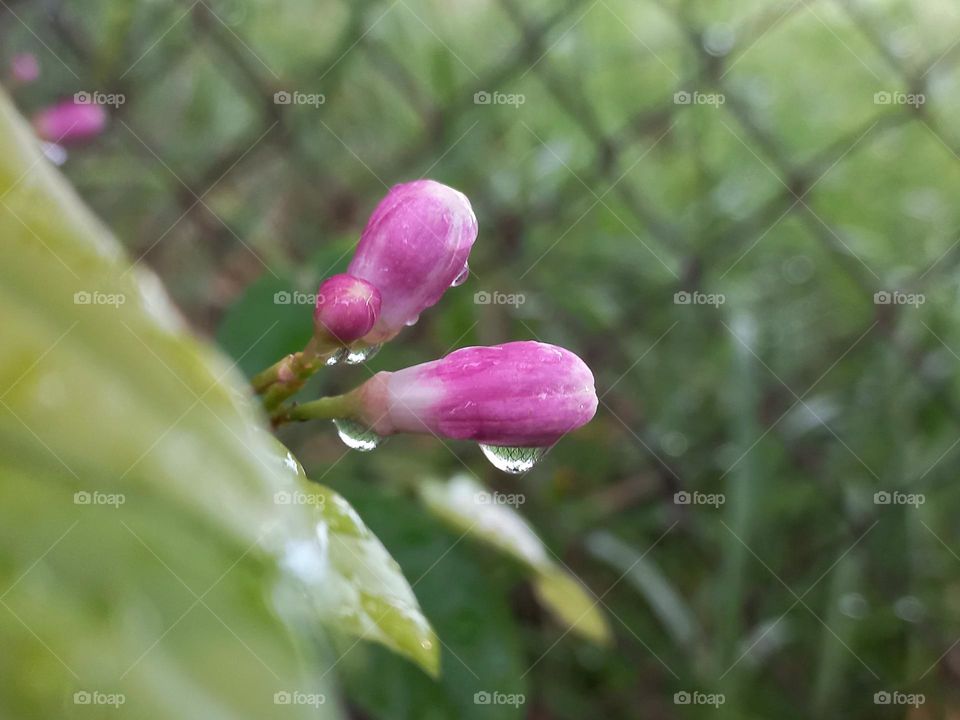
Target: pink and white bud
[347, 309]
[70, 122]
[414, 247]
[521, 394]
[24, 69]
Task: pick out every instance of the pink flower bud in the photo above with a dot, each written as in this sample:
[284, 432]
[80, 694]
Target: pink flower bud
[347, 308]
[70, 122]
[521, 394]
[414, 247]
[24, 68]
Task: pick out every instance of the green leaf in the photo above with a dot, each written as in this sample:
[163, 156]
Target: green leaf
[469, 605]
[359, 588]
[140, 539]
[365, 591]
[468, 507]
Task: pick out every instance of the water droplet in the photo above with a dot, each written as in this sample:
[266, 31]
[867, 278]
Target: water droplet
[718, 40]
[412, 321]
[512, 459]
[357, 437]
[909, 608]
[355, 356]
[462, 277]
[854, 605]
[338, 357]
[57, 154]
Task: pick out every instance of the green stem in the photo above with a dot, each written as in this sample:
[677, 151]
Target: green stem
[325, 408]
[286, 376]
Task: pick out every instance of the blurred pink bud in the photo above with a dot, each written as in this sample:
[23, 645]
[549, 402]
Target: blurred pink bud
[414, 247]
[521, 394]
[24, 68]
[70, 122]
[347, 308]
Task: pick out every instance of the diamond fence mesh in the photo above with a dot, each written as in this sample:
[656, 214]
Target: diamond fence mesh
[741, 213]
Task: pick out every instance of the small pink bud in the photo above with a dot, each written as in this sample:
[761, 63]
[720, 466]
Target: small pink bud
[347, 308]
[521, 394]
[24, 68]
[414, 247]
[70, 122]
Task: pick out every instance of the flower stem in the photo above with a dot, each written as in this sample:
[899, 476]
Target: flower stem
[286, 376]
[325, 408]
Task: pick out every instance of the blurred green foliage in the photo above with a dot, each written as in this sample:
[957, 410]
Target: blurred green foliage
[796, 197]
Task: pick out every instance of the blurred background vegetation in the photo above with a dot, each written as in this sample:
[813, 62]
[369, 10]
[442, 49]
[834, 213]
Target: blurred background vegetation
[763, 152]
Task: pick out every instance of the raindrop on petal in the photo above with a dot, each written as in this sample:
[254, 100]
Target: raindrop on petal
[338, 357]
[462, 277]
[512, 459]
[355, 356]
[57, 154]
[355, 436]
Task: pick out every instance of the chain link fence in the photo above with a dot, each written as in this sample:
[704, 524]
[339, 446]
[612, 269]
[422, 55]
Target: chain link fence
[740, 212]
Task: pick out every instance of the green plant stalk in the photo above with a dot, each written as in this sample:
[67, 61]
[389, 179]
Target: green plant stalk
[286, 376]
[744, 497]
[334, 407]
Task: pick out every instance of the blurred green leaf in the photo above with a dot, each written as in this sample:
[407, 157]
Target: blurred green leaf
[136, 486]
[364, 591]
[468, 507]
[467, 603]
[358, 587]
[656, 588]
